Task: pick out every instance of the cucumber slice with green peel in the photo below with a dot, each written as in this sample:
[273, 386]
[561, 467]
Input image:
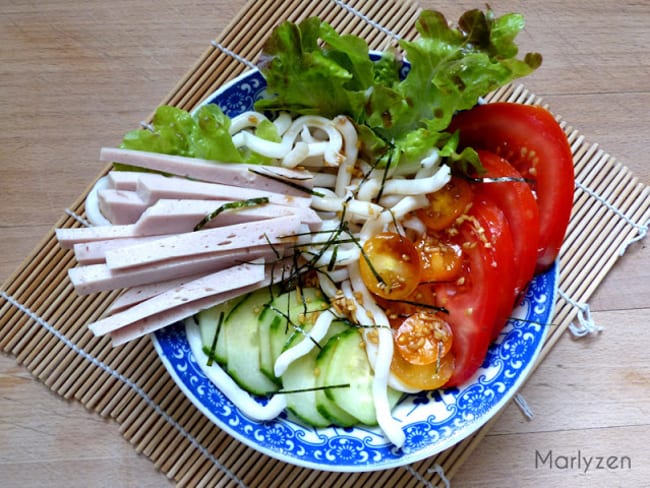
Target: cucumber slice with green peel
[278, 323]
[265, 321]
[349, 365]
[243, 345]
[324, 403]
[300, 375]
[332, 384]
[210, 322]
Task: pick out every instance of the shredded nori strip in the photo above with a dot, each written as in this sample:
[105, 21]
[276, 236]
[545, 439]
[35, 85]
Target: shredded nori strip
[290, 183]
[211, 352]
[315, 388]
[251, 202]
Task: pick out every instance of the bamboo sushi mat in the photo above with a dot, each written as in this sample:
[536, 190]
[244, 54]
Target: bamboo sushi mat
[43, 321]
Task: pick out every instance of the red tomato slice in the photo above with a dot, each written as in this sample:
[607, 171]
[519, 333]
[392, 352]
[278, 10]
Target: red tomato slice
[497, 232]
[517, 202]
[481, 300]
[530, 138]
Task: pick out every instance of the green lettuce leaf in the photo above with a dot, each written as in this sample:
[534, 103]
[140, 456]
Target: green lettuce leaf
[310, 69]
[175, 131]
[171, 129]
[210, 137]
[265, 130]
[305, 78]
[451, 68]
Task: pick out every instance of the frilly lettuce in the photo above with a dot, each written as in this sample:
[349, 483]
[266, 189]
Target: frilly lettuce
[309, 68]
[205, 134]
[400, 115]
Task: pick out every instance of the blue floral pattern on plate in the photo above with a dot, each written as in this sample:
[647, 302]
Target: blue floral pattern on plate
[432, 421]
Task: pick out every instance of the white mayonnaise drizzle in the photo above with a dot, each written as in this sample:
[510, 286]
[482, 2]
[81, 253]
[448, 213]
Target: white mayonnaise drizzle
[317, 332]
[242, 399]
[329, 148]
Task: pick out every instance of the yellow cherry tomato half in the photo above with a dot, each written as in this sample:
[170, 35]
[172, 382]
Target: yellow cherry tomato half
[390, 265]
[447, 204]
[423, 376]
[423, 338]
[440, 261]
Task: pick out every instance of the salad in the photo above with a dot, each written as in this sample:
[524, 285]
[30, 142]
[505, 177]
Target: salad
[388, 223]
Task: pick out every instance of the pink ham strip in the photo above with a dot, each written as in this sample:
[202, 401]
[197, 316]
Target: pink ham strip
[166, 218]
[99, 277]
[229, 238]
[153, 187]
[120, 206]
[212, 171]
[124, 180]
[162, 319]
[93, 252]
[138, 294]
[68, 237]
[207, 286]
[180, 216]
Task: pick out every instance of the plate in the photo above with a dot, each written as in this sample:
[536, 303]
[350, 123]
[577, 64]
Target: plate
[431, 421]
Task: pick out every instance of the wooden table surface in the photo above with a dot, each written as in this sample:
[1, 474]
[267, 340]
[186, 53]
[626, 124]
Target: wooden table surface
[75, 75]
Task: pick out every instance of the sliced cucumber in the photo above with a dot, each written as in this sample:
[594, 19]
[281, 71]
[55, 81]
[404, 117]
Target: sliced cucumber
[300, 375]
[254, 332]
[276, 331]
[324, 404]
[243, 345]
[265, 321]
[349, 365]
[210, 323]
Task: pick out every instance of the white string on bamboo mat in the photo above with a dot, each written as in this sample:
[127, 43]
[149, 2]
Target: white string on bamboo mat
[586, 325]
[521, 402]
[146, 125]
[642, 229]
[438, 469]
[78, 218]
[233, 54]
[103, 366]
[367, 19]
[586, 322]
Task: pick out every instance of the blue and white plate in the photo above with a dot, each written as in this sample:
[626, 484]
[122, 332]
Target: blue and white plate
[432, 421]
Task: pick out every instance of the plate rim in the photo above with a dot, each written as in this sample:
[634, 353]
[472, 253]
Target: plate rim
[386, 463]
[405, 459]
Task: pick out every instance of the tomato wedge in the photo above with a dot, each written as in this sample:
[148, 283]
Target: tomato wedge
[517, 202]
[480, 301]
[497, 232]
[532, 141]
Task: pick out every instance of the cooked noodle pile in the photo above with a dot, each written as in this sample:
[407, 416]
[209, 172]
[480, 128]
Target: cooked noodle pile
[355, 201]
